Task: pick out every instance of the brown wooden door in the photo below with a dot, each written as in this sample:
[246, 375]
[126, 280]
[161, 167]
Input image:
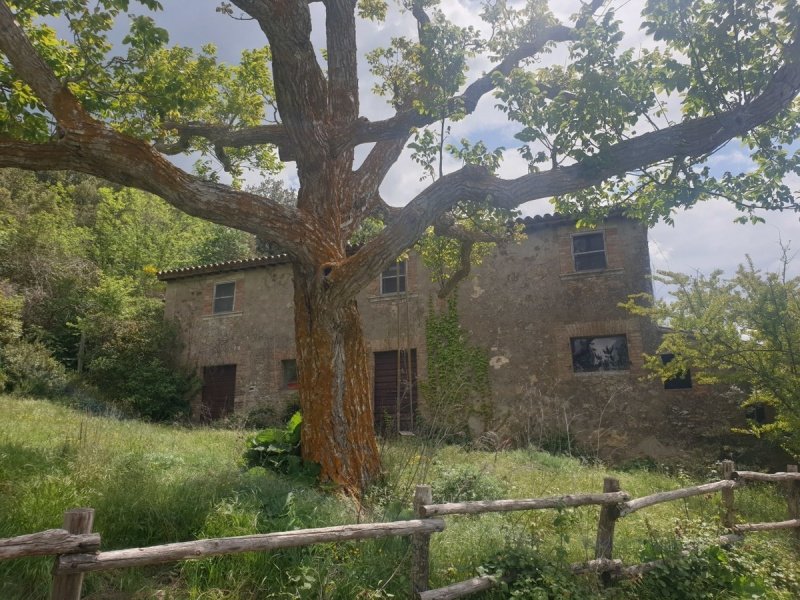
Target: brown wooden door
[394, 412]
[219, 389]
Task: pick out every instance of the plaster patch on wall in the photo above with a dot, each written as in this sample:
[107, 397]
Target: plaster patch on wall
[477, 291]
[498, 361]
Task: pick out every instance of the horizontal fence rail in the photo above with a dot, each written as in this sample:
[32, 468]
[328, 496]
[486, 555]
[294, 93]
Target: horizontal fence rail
[460, 589]
[153, 555]
[47, 543]
[696, 490]
[488, 506]
[769, 477]
[77, 548]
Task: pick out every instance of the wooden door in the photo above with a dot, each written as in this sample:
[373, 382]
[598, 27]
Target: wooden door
[395, 393]
[219, 389]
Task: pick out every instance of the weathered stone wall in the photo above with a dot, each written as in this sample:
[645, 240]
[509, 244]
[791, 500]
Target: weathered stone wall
[259, 334]
[526, 305]
[255, 337]
[523, 305]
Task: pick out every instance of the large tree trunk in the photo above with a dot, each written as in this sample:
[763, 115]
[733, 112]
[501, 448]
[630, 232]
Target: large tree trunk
[335, 394]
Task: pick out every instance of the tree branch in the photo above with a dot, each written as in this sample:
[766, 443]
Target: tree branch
[694, 137]
[369, 176]
[227, 137]
[403, 122]
[35, 72]
[129, 162]
[89, 146]
[340, 25]
[301, 90]
[465, 264]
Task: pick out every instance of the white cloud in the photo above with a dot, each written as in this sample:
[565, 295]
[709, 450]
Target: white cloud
[706, 238]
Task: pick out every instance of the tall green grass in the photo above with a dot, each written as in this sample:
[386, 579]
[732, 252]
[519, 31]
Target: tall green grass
[156, 484]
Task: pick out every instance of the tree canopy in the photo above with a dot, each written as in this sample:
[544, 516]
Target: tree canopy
[607, 125]
[78, 281]
[742, 331]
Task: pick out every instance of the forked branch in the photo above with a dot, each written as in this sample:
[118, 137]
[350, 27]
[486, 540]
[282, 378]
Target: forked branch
[694, 137]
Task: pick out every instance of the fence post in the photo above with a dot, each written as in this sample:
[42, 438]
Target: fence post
[609, 513]
[420, 545]
[726, 469]
[68, 587]
[793, 499]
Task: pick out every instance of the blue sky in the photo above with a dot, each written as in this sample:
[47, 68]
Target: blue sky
[702, 239]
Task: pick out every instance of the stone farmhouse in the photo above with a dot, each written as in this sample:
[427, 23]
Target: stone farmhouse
[565, 361]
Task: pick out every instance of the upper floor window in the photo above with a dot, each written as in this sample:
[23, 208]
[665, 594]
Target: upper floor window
[589, 251]
[607, 353]
[224, 297]
[393, 279]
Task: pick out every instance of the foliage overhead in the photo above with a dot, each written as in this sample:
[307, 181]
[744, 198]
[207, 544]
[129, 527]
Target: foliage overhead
[742, 331]
[717, 59]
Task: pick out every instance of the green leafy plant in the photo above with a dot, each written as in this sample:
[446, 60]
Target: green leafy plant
[741, 331]
[527, 574]
[133, 366]
[458, 374]
[279, 449]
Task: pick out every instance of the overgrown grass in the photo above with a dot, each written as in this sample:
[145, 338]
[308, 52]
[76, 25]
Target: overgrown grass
[156, 484]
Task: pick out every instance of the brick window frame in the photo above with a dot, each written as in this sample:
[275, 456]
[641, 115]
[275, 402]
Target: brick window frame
[589, 251]
[223, 300]
[604, 353]
[394, 279]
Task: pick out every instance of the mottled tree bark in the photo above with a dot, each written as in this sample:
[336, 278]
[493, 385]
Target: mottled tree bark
[334, 386]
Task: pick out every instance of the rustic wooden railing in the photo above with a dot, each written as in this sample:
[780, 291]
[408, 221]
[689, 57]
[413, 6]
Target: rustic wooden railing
[615, 504]
[77, 549]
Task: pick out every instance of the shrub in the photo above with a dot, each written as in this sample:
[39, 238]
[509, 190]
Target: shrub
[134, 367]
[752, 570]
[279, 449]
[526, 574]
[260, 418]
[29, 368]
[466, 483]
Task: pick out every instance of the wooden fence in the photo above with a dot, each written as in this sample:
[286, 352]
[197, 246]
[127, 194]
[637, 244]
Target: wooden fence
[77, 548]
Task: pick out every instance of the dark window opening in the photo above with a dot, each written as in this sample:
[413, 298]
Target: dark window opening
[682, 381]
[757, 413]
[224, 294]
[589, 251]
[290, 381]
[393, 279]
[606, 353]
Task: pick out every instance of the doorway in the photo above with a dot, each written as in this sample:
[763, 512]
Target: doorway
[395, 395]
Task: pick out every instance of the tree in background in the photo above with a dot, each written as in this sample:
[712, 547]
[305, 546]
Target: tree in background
[743, 331]
[78, 266]
[593, 128]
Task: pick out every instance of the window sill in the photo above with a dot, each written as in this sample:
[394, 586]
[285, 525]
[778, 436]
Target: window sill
[614, 373]
[592, 273]
[236, 313]
[391, 297]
